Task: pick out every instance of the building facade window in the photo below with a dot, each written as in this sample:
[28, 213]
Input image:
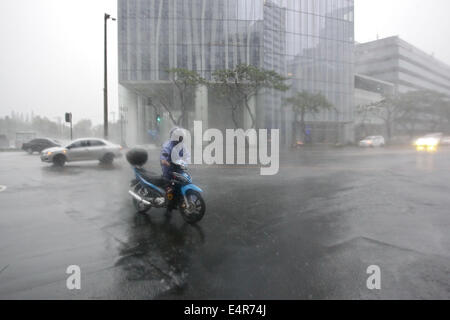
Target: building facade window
[309, 41]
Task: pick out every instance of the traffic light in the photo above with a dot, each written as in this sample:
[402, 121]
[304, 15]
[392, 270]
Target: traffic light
[69, 120]
[158, 119]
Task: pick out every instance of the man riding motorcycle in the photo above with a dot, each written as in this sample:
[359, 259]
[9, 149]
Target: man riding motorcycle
[177, 136]
[174, 190]
[171, 148]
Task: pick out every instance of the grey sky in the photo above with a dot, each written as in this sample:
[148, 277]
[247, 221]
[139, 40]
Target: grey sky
[52, 50]
[424, 23]
[52, 57]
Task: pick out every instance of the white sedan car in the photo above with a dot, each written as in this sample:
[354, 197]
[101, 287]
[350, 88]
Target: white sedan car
[372, 142]
[83, 150]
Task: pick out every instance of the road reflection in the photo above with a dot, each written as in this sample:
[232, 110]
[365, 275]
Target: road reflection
[425, 161]
[159, 252]
[74, 169]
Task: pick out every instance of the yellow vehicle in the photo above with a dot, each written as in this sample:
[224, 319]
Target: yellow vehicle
[429, 142]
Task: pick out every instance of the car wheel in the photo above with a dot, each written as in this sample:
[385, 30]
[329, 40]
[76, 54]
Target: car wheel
[107, 159]
[30, 151]
[59, 160]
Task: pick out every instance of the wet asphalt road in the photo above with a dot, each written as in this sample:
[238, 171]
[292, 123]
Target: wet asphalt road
[309, 232]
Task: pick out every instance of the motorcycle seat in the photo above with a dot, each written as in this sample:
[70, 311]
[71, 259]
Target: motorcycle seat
[151, 177]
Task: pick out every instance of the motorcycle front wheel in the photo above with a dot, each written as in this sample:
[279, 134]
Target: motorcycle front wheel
[193, 211]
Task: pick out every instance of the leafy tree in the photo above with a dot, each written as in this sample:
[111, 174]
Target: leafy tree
[364, 113]
[443, 111]
[43, 126]
[227, 91]
[433, 108]
[185, 83]
[244, 82]
[412, 112]
[304, 103]
[83, 128]
[162, 98]
[388, 110]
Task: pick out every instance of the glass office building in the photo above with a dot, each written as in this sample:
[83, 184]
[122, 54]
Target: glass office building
[309, 41]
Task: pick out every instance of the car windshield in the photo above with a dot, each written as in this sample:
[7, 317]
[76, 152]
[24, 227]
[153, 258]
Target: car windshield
[76, 144]
[96, 143]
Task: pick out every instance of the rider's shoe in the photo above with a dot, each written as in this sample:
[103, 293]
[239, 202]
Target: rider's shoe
[168, 214]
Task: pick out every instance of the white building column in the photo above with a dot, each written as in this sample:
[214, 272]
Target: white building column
[201, 106]
[129, 101]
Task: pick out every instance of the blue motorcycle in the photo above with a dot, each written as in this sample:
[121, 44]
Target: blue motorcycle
[151, 191]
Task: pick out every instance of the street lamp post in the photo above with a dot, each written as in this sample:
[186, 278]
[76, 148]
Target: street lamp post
[105, 89]
[122, 111]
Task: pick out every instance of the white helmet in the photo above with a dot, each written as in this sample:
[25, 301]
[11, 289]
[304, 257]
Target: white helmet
[172, 130]
[177, 134]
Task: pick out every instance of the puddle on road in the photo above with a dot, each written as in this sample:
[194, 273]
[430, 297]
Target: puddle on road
[72, 170]
[425, 162]
[159, 252]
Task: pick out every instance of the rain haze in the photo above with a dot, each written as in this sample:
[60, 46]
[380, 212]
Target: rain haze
[425, 24]
[255, 150]
[52, 50]
[52, 57]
